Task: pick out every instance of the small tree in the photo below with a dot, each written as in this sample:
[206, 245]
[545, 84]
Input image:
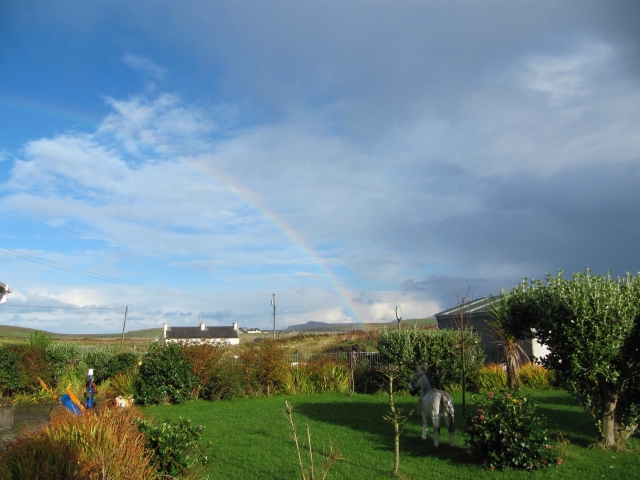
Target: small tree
[591, 325]
[394, 416]
[498, 308]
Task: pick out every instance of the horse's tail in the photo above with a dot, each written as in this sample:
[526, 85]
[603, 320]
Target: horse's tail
[447, 404]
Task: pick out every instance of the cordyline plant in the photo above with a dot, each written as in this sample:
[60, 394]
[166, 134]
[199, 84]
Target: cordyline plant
[591, 325]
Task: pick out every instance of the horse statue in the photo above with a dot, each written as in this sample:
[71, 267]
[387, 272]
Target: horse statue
[434, 402]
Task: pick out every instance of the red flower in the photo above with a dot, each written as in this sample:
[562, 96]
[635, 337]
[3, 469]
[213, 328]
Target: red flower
[479, 410]
[490, 394]
[481, 417]
[559, 461]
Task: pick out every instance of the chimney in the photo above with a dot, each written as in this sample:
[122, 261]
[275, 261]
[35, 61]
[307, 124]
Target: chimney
[202, 327]
[235, 326]
[164, 331]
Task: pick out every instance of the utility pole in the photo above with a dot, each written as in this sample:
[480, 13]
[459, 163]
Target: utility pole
[273, 302]
[126, 310]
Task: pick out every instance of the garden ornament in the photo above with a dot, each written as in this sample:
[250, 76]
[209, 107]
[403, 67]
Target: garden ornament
[433, 402]
[92, 390]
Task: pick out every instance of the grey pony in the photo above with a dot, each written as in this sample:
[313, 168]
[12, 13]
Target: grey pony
[433, 402]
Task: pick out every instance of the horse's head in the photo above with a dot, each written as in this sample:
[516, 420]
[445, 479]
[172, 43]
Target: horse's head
[415, 384]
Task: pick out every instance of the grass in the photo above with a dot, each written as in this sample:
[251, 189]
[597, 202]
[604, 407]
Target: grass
[251, 439]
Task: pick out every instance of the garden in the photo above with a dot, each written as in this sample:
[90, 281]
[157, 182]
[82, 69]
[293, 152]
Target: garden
[213, 411]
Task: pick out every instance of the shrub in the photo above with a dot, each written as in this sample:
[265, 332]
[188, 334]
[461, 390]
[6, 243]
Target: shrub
[99, 359]
[9, 378]
[535, 376]
[319, 374]
[60, 355]
[204, 359]
[368, 379]
[39, 339]
[32, 364]
[175, 446]
[263, 368]
[97, 445]
[164, 376]
[505, 433]
[121, 362]
[492, 376]
[123, 383]
[225, 383]
[439, 348]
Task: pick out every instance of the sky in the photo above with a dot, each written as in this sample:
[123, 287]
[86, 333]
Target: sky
[190, 159]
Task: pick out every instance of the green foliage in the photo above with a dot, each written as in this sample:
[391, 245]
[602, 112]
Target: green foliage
[121, 362]
[492, 376]
[505, 433]
[9, 378]
[60, 355]
[32, 364]
[591, 325]
[439, 348]
[264, 368]
[368, 379]
[176, 447]
[224, 383]
[39, 339]
[164, 376]
[319, 374]
[100, 360]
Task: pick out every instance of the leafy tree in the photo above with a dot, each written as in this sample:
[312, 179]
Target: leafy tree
[591, 325]
[39, 339]
[512, 350]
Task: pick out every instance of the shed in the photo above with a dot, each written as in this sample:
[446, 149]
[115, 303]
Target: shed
[201, 334]
[476, 315]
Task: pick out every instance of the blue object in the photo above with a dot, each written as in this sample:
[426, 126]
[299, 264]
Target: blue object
[72, 407]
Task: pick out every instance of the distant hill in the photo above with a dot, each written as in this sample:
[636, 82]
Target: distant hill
[11, 331]
[346, 327]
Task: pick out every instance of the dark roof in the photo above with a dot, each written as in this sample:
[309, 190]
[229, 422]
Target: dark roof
[197, 332]
[474, 306]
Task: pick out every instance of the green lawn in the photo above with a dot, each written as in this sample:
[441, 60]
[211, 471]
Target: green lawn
[251, 439]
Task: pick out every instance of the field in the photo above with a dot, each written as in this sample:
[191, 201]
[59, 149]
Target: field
[251, 439]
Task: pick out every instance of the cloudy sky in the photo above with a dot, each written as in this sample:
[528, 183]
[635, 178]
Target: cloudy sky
[189, 159]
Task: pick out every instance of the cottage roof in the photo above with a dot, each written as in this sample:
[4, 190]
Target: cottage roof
[474, 306]
[197, 332]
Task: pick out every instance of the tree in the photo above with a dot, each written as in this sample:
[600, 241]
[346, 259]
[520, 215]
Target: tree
[498, 308]
[591, 325]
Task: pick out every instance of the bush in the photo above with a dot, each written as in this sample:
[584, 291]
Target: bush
[97, 445]
[263, 368]
[175, 446]
[121, 362]
[439, 348]
[492, 376]
[164, 376]
[39, 339]
[32, 364]
[60, 355]
[369, 380]
[225, 383]
[123, 384]
[535, 376]
[205, 360]
[319, 374]
[505, 433]
[9, 378]
[99, 359]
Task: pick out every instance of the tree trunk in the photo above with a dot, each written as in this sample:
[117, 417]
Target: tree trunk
[609, 400]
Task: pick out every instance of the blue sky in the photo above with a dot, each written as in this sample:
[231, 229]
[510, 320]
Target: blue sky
[347, 156]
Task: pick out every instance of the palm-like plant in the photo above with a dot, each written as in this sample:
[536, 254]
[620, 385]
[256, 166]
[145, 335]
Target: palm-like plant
[513, 352]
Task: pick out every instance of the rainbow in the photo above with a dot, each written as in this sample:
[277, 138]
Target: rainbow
[248, 199]
[32, 107]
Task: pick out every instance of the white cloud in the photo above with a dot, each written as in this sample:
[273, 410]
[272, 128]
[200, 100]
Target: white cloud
[143, 65]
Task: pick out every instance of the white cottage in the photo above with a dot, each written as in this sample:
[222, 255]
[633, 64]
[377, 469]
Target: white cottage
[228, 335]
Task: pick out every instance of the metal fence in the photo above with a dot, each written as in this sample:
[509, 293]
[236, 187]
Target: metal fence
[370, 359]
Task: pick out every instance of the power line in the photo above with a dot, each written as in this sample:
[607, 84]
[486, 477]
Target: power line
[66, 308]
[98, 276]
